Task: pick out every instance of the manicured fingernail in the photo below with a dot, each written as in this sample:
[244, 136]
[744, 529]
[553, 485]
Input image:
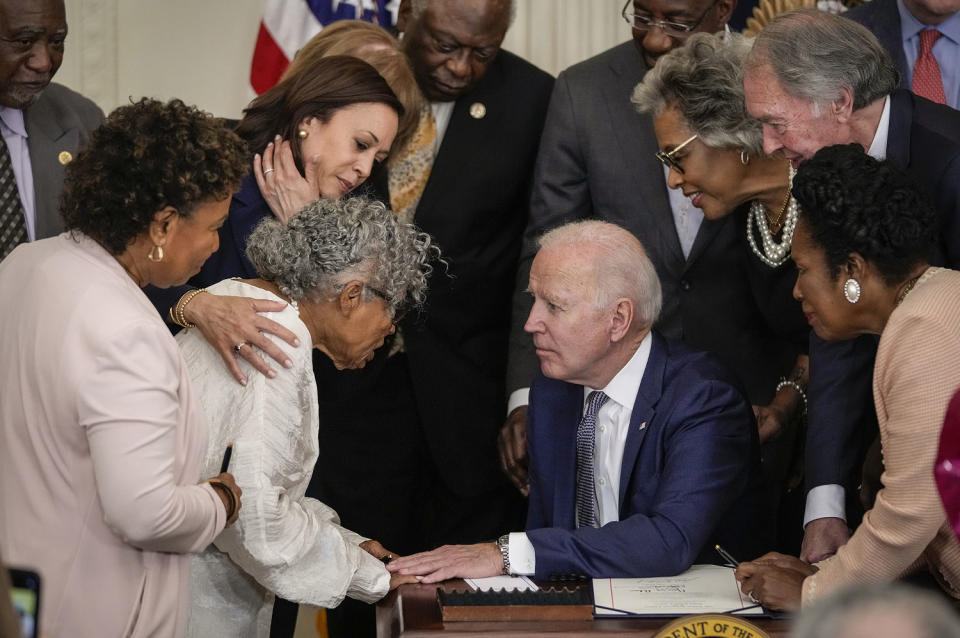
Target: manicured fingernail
[296, 342]
[271, 373]
[288, 363]
[277, 137]
[243, 382]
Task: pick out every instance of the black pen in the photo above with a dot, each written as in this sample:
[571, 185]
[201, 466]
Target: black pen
[226, 458]
[726, 556]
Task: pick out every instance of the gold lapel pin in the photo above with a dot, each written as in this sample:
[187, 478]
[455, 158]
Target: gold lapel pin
[478, 111]
[65, 157]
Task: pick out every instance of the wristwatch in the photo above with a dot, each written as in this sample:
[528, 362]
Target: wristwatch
[503, 543]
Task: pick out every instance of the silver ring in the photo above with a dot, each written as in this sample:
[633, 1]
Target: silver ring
[237, 348]
[269, 170]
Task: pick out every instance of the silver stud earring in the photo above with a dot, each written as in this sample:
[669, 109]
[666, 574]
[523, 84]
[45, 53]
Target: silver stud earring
[851, 290]
[744, 158]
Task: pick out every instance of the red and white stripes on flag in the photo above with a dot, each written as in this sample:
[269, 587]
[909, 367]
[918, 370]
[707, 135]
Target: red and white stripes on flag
[288, 24]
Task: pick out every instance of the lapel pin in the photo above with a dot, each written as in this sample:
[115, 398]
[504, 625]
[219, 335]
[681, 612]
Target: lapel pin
[65, 157]
[643, 426]
[478, 111]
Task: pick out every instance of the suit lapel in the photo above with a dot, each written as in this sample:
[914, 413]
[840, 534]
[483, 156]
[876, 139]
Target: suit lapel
[644, 411]
[567, 412]
[901, 118]
[46, 139]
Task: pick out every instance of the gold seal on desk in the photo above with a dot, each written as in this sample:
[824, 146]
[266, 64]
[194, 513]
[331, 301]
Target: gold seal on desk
[710, 626]
[65, 157]
[478, 111]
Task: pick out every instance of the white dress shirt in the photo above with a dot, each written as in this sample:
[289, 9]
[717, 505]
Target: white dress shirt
[827, 501]
[610, 437]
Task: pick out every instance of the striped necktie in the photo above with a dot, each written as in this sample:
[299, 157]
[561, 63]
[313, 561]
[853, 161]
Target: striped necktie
[927, 81]
[13, 226]
[586, 492]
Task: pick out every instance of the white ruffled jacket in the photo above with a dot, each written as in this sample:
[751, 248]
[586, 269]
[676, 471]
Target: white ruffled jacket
[283, 542]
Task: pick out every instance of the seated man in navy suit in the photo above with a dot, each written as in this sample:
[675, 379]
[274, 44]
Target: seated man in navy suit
[643, 453]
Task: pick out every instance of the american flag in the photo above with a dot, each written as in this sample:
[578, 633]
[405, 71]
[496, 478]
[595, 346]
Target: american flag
[288, 24]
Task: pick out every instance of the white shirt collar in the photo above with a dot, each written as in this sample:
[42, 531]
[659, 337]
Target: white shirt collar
[623, 387]
[13, 120]
[878, 149]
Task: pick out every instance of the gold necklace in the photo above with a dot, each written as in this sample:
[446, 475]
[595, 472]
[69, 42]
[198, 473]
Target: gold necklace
[778, 223]
[906, 289]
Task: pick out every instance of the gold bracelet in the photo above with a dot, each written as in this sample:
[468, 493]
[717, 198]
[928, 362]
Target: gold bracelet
[220, 486]
[176, 311]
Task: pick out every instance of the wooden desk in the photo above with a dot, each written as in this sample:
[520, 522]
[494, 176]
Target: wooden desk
[412, 611]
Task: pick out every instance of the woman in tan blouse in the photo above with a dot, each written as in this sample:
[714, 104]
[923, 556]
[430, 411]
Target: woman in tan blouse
[862, 250]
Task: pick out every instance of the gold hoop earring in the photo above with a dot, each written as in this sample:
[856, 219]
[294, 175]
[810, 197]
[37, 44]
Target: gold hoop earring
[303, 133]
[158, 257]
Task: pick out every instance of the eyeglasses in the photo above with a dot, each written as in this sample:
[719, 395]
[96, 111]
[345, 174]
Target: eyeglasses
[667, 158]
[397, 311]
[644, 22]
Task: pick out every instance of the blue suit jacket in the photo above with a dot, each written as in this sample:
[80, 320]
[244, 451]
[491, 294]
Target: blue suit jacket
[924, 140]
[882, 18]
[689, 462]
[247, 209]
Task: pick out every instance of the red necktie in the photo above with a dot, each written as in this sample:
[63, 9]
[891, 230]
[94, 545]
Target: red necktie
[927, 81]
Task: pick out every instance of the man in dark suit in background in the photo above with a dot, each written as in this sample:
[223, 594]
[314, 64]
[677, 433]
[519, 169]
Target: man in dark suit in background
[900, 27]
[814, 79]
[642, 451]
[408, 448]
[43, 124]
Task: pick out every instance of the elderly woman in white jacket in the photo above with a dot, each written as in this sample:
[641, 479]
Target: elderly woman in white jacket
[345, 268]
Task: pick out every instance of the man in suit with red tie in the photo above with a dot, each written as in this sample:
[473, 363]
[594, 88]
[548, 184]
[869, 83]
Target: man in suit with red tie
[923, 39]
[43, 124]
[643, 452]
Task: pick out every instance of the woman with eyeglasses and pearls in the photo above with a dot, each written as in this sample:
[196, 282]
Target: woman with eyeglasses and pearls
[714, 152]
[862, 247]
[344, 268]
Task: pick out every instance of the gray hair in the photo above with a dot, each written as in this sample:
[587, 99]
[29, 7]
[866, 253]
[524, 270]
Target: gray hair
[623, 270]
[931, 616]
[703, 80]
[334, 240]
[815, 55]
[419, 6]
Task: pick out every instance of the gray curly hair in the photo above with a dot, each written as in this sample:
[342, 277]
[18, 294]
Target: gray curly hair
[703, 80]
[333, 240]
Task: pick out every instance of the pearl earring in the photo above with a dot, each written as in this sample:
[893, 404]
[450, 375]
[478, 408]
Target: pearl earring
[851, 290]
[303, 133]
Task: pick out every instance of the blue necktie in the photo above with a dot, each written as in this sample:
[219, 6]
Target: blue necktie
[586, 495]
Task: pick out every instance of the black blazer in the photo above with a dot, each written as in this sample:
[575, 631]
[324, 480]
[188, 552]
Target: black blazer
[924, 140]
[475, 207]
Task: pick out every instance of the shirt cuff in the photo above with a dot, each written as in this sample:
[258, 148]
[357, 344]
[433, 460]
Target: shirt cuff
[523, 558]
[518, 398]
[825, 501]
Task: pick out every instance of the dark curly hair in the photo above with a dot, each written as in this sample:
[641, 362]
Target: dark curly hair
[852, 203]
[146, 156]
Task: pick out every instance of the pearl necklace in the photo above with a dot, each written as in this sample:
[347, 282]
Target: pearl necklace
[773, 254]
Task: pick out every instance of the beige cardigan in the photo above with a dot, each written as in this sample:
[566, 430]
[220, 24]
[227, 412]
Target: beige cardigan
[917, 371]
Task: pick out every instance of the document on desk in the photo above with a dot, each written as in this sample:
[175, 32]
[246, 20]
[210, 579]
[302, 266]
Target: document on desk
[702, 589]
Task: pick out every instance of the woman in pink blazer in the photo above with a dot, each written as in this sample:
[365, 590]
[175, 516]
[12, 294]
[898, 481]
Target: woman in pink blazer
[862, 250]
[100, 440]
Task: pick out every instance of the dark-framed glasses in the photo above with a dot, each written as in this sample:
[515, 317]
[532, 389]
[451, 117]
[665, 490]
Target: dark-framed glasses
[397, 310]
[667, 158]
[675, 29]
